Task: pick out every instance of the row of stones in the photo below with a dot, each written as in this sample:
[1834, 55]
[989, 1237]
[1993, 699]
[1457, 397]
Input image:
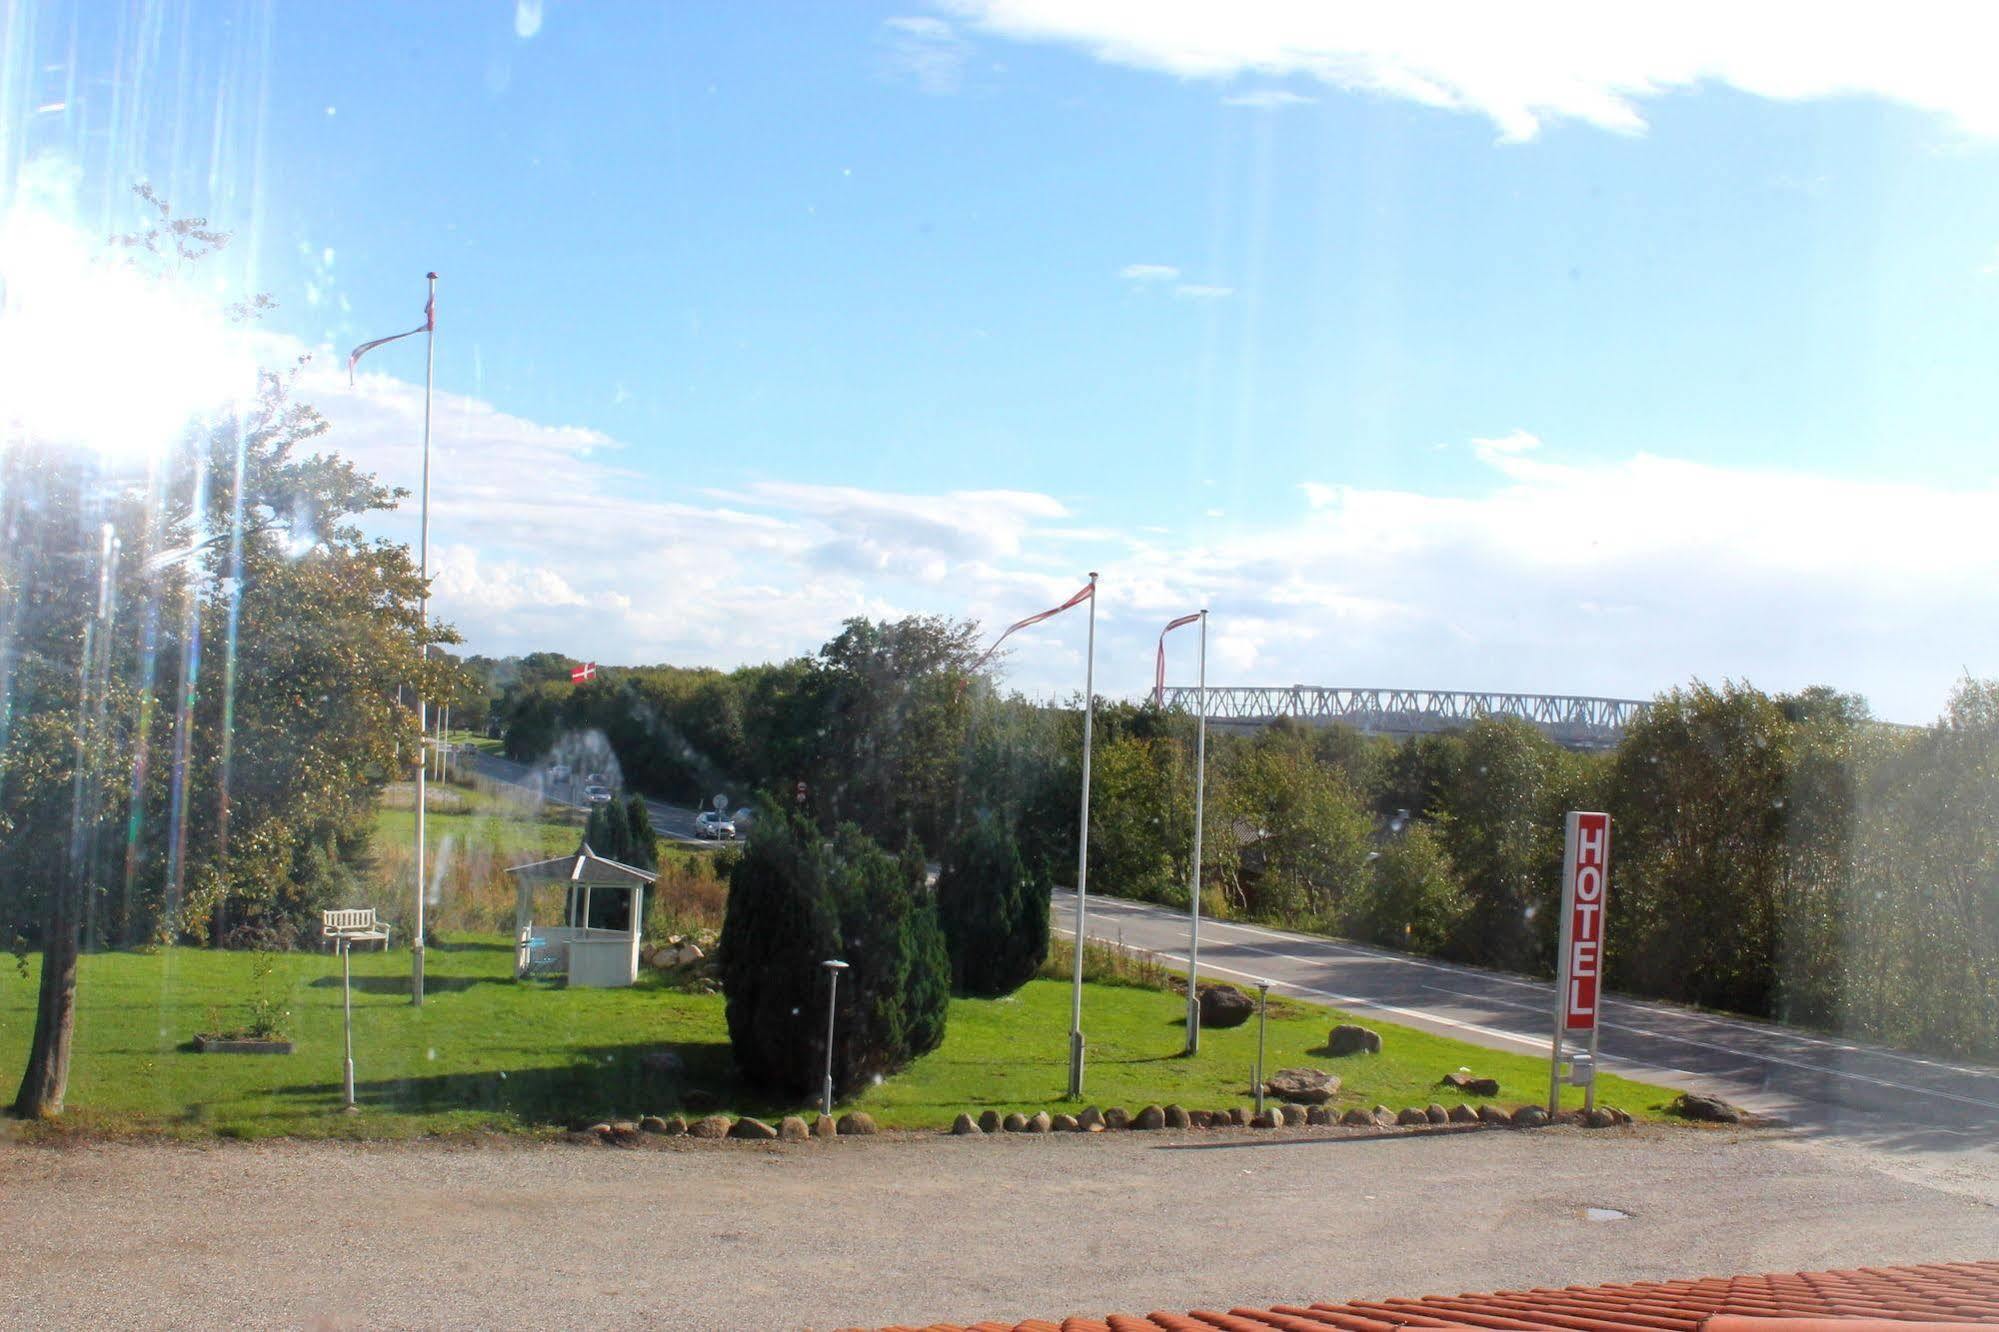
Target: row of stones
[792, 1128]
[860, 1124]
[1093, 1120]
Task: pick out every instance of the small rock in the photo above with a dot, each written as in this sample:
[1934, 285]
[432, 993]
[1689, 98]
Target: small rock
[1177, 1117]
[856, 1123]
[1238, 1116]
[965, 1126]
[1571, 1117]
[601, 1130]
[1294, 1115]
[1357, 1118]
[1600, 1118]
[1436, 1114]
[1116, 1118]
[1199, 1119]
[1411, 1115]
[654, 1124]
[1015, 1122]
[1350, 1039]
[793, 1129]
[1039, 1122]
[1268, 1119]
[1530, 1116]
[1318, 1115]
[1090, 1119]
[1463, 1114]
[989, 1122]
[1492, 1114]
[710, 1126]
[1225, 1006]
[824, 1127]
[1619, 1115]
[1704, 1109]
[1066, 1123]
[1152, 1117]
[624, 1128]
[754, 1130]
[1305, 1086]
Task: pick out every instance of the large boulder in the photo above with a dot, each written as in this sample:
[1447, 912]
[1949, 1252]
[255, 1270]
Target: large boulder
[753, 1129]
[1225, 1006]
[711, 1126]
[1530, 1116]
[793, 1129]
[1177, 1117]
[1472, 1086]
[966, 1126]
[1152, 1117]
[856, 1123]
[1302, 1086]
[1706, 1109]
[1349, 1039]
[989, 1121]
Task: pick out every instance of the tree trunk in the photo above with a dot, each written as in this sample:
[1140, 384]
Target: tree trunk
[42, 1086]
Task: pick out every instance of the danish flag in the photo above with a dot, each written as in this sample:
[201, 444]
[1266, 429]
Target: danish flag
[587, 671]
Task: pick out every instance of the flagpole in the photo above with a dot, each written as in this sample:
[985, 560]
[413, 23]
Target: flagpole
[423, 631]
[1194, 884]
[1083, 857]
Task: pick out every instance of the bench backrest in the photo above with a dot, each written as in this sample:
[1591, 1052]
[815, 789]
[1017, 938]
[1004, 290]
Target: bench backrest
[351, 918]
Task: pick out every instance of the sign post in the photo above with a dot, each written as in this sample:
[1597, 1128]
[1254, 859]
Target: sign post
[1579, 957]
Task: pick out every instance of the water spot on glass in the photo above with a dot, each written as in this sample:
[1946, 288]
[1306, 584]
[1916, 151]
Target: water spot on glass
[1605, 1214]
[431, 1053]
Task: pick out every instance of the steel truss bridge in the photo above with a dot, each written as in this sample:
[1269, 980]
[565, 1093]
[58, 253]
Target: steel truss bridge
[1571, 721]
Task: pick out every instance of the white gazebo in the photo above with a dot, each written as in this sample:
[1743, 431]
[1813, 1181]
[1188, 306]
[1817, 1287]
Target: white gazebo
[587, 955]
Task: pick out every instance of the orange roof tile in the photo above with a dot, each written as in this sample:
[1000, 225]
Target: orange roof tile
[1868, 1299]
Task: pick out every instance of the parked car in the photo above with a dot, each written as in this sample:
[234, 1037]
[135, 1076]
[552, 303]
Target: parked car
[559, 773]
[597, 793]
[714, 823]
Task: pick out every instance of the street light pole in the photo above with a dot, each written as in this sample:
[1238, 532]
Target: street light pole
[423, 636]
[1083, 857]
[833, 969]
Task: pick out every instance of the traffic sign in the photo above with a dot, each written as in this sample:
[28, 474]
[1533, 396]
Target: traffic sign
[721, 802]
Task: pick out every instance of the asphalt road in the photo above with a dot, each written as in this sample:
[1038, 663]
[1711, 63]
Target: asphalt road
[865, 1232]
[1814, 1083]
[672, 822]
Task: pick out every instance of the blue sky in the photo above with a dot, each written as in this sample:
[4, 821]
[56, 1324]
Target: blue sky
[749, 323]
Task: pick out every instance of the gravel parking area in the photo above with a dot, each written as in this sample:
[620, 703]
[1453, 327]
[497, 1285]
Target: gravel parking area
[738, 1235]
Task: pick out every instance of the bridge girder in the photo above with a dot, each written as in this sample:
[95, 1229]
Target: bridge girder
[1574, 721]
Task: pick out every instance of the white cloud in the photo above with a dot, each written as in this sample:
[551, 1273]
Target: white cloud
[1267, 99]
[527, 18]
[1148, 272]
[1524, 67]
[1615, 577]
[1202, 291]
[927, 51]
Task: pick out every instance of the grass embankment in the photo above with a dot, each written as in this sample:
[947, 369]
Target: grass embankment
[488, 1053]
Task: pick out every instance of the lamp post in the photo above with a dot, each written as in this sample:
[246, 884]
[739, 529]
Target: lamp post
[1262, 1013]
[1194, 888]
[833, 969]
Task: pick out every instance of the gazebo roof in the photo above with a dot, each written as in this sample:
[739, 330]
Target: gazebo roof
[585, 867]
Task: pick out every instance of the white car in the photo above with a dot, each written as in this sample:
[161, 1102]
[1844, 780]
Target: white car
[597, 794]
[714, 823]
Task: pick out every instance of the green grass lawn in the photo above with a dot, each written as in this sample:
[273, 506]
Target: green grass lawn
[488, 1053]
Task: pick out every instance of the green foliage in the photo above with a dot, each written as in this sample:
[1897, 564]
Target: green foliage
[1414, 900]
[993, 909]
[641, 843]
[1287, 836]
[797, 900]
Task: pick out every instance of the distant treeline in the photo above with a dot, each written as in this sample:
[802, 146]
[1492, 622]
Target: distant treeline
[1778, 855]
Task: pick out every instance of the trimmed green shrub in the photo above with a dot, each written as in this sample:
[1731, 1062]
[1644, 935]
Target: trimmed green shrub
[993, 909]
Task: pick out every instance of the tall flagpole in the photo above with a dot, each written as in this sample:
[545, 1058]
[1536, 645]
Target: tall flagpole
[1194, 885]
[1083, 856]
[423, 632]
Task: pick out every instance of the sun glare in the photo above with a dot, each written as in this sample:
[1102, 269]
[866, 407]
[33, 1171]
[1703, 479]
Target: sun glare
[97, 354]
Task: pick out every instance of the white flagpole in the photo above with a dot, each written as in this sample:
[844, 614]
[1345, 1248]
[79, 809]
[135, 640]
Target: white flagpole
[1083, 857]
[1194, 884]
[423, 633]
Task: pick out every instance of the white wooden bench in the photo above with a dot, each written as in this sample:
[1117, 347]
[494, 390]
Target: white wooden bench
[355, 925]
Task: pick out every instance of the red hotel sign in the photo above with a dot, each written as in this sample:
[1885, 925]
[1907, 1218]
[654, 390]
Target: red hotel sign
[1585, 887]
